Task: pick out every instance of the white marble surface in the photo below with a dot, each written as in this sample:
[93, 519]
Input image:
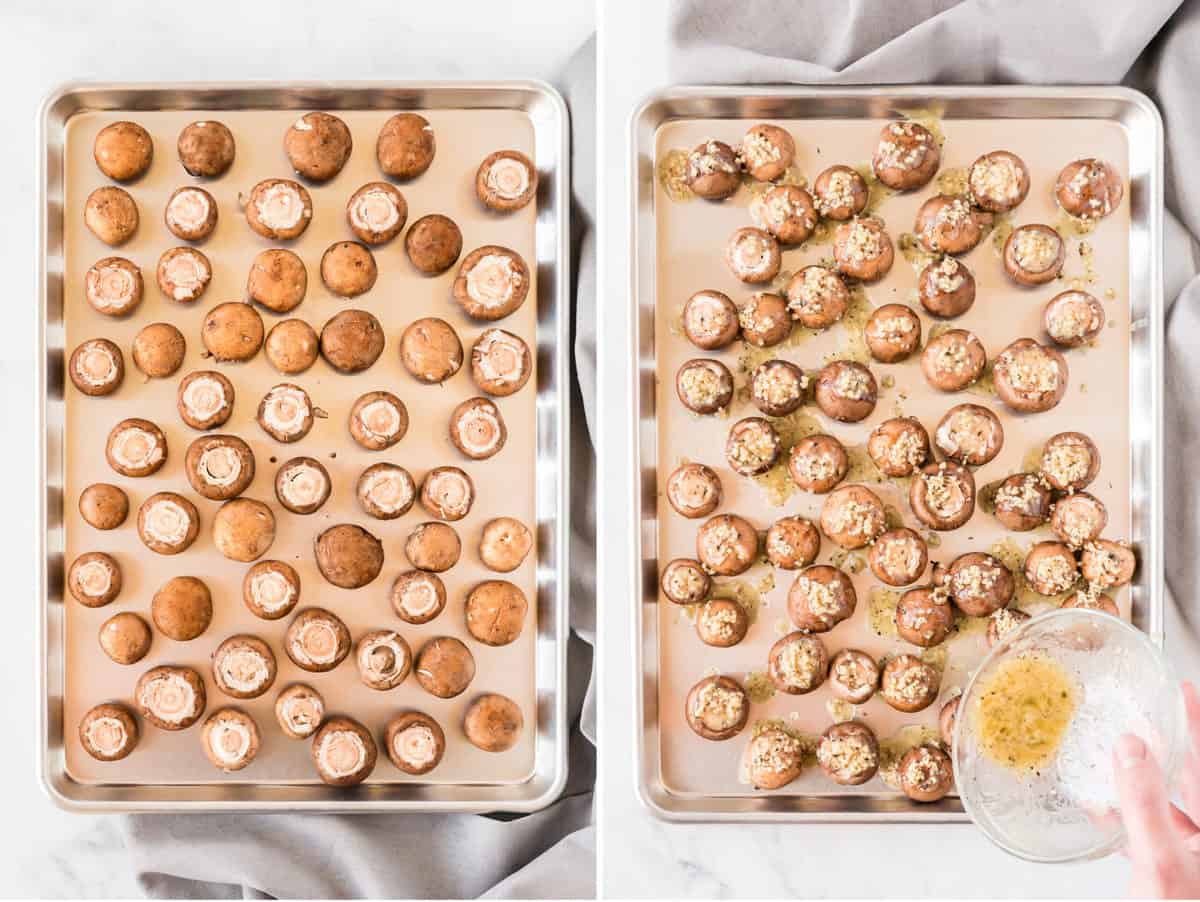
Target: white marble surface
[641, 856]
[43, 43]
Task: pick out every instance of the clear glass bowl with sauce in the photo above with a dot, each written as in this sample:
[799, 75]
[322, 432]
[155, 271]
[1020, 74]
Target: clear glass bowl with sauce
[1036, 726]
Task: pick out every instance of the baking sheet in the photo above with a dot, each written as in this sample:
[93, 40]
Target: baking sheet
[505, 484]
[687, 240]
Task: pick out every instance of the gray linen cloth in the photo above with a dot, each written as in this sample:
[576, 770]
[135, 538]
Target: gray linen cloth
[1152, 45]
[549, 854]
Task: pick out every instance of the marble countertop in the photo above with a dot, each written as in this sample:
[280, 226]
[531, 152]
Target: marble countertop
[44, 43]
[645, 857]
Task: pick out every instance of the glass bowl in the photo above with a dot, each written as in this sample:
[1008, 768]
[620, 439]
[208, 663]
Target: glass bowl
[1067, 810]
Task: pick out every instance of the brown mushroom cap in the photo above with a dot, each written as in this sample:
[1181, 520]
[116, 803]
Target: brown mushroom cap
[493, 723]
[125, 637]
[414, 733]
[292, 346]
[433, 244]
[103, 506]
[97, 367]
[278, 280]
[243, 529]
[206, 148]
[496, 612]
[433, 546]
[123, 150]
[113, 725]
[318, 145]
[348, 556]
[343, 740]
[406, 146]
[182, 608]
[111, 215]
[445, 667]
[94, 579]
[351, 341]
[316, 640]
[158, 350]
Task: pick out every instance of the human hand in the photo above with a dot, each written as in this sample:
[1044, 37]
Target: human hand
[1163, 841]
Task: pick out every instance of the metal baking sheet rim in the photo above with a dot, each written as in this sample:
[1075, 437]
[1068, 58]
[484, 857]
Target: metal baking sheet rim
[1147, 310]
[549, 115]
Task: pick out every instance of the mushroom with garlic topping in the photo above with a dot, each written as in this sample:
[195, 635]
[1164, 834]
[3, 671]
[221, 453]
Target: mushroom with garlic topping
[998, 181]
[722, 623]
[846, 391]
[219, 467]
[171, 698]
[704, 386]
[969, 434]
[302, 485]
[183, 274]
[318, 145]
[787, 212]
[271, 589]
[1078, 518]
[942, 495]
[103, 505]
[1030, 377]
[713, 171]
[1034, 254]
[1051, 568]
[767, 151]
[500, 363]
[797, 663]
[299, 710]
[434, 547]
[94, 579]
[279, 209]
[727, 545]
[343, 752]
[953, 360]
[385, 491]
[406, 146]
[817, 297]
[853, 675]
[205, 399]
[753, 446]
[445, 667]
[1022, 502]
[447, 493]
[206, 148]
[908, 684]
[792, 543]
[946, 288]
[97, 367]
[772, 759]
[243, 667]
[898, 557]
[384, 659]
[433, 244]
[414, 742]
[230, 738]
[717, 708]
[684, 581]
[820, 598]
[906, 157]
[158, 350]
[1073, 318]
[418, 597]
[817, 463]
[948, 224]
[1070, 461]
[123, 150]
[777, 387]
[892, 333]
[1106, 564]
[108, 732]
[899, 446]
[924, 616]
[348, 556]
[926, 774]
[840, 193]
[316, 640]
[1089, 188]
[863, 250]
[853, 516]
[848, 753]
[1002, 622]
[113, 286]
[168, 523]
[111, 214]
[979, 584]
[506, 181]
[277, 280]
